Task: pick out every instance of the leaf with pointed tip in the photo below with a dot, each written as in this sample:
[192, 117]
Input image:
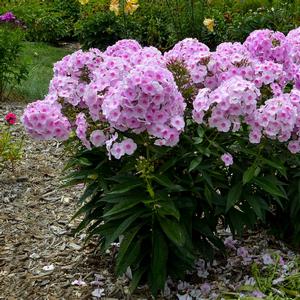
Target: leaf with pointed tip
[234, 195]
[173, 230]
[158, 272]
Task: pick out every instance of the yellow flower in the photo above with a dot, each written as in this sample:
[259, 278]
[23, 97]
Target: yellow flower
[115, 7]
[131, 6]
[83, 2]
[209, 24]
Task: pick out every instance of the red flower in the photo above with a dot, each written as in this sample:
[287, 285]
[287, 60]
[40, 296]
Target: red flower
[11, 118]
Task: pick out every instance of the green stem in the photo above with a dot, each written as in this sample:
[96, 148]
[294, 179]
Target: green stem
[173, 18]
[193, 15]
[124, 19]
[148, 178]
[274, 270]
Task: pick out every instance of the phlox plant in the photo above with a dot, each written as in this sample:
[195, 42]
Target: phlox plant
[12, 71]
[11, 149]
[172, 146]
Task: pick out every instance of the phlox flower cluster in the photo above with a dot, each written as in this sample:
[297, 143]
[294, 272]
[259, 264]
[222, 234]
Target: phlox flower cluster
[268, 45]
[10, 18]
[194, 54]
[229, 59]
[247, 84]
[81, 129]
[134, 54]
[11, 118]
[44, 120]
[233, 100]
[128, 90]
[293, 38]
[147, 100]
[186, 49]
[278, 118]
[73, 74]
[266, 58]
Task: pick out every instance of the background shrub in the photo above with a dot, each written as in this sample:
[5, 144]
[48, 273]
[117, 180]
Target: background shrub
[235, 20]
[99, 27]
[11, 148]
[160, 23]
[48, 21]
[163, 23]
[12, 70]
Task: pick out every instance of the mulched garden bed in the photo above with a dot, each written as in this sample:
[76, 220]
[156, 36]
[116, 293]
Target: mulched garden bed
[41, 259]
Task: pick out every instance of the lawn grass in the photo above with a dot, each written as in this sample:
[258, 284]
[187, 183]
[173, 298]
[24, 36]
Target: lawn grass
[40, 58]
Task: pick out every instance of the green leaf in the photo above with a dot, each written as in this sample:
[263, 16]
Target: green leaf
[84, 161]
[197, 140]
[257, 171]
[270, 185]
[237, 221]
[202, 227]
[89, 191]
[203, 150]
[277, 165]
[258, 204]
[173, 230]
[87, 207]
[165, 181]
[205, 249]
[132, 255]
[200, 131]
[249, 174]
[123, 251]
[83, 224]
[158, 272]
[116, 198]
[207, 178]
[167, 165]
[124, 205]
[136, 278]
[234, 196]
[168, 208]
[208, 194]
[195, 163]
[123, 188]
[122, 228]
